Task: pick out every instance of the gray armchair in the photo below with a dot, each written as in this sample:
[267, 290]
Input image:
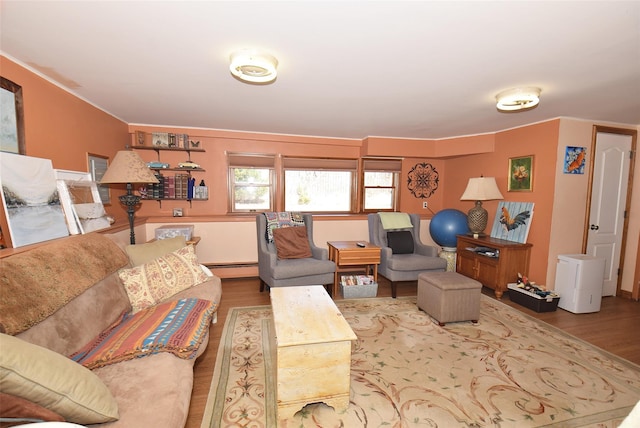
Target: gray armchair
[408, 265]
[274, 272]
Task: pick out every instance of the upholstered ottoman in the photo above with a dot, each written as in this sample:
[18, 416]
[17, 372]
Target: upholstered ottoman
[449, 296]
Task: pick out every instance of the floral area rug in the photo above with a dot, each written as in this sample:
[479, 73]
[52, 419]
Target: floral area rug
[509, 370]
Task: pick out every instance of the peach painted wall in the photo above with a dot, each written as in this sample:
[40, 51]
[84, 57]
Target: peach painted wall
[539, 140]
[218, 143]
[62, 127]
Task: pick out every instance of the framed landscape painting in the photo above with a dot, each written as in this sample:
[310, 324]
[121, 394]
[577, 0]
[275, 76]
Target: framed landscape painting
[30, 199]
[11, 117]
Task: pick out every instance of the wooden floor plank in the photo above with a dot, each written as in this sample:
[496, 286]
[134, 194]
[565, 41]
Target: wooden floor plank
[612, 329]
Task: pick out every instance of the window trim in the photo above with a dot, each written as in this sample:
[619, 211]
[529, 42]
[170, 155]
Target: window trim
[391, 165]
[300, 163]
[259, 161]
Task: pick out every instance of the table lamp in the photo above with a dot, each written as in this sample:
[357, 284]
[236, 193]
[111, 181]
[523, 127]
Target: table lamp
[127, 168]
[480, 189]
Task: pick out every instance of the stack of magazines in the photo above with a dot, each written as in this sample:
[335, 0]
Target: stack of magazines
[357, 280]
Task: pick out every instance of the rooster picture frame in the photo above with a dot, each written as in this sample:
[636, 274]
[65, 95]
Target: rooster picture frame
[513, 221]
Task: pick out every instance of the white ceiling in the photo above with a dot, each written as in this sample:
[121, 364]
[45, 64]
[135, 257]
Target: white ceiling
[351, 69]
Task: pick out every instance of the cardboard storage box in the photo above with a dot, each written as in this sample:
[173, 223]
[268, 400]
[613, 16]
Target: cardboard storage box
[173, 230]
[532, 300]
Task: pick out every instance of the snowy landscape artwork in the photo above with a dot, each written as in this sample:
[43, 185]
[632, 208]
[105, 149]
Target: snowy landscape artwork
[30, 199]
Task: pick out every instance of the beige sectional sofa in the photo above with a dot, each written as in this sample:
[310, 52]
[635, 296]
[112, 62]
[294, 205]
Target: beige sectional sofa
[59, 297]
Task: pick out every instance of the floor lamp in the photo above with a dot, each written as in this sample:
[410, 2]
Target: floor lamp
[480, 189]
[128, 168]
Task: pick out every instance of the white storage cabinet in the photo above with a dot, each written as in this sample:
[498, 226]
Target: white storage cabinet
[579, 281]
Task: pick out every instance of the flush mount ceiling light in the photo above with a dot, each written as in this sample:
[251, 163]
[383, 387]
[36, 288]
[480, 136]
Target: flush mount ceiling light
[518, 99]
[253, 66]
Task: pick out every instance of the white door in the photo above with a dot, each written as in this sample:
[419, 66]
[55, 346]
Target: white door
[608, 203]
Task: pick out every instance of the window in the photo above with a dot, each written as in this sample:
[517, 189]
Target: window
[319, 185]
[381, 178]
[251, 179]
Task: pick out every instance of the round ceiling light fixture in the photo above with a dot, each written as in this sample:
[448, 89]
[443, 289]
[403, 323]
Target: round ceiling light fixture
[254, 66]
[518, 99]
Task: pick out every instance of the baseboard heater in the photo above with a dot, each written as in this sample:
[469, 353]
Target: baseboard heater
[233, 270]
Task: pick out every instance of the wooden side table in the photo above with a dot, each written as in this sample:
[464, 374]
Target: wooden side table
[347, 255]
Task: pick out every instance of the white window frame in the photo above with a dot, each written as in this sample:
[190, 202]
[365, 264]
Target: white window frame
[250, 161]
[322, 164]
[387, 165]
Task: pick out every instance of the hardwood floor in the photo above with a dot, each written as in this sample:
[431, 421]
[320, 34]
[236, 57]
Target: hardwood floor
[612, 329]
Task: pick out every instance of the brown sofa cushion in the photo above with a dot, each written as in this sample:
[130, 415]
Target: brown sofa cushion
[292, 242]
[38, 282]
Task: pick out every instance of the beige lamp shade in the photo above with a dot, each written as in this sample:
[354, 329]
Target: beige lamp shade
[481, 189]
[128, 167]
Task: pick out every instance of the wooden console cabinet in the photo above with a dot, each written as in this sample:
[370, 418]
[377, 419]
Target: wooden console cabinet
[493, 272]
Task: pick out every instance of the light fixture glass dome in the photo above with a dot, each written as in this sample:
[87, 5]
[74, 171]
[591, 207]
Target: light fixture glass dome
[253, 66]
[518, 99]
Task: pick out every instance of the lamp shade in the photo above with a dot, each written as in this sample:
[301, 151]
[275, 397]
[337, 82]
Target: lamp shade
[128, 167]
[481, 189]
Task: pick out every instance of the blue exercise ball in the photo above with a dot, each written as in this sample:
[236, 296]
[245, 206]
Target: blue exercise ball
[446, 224]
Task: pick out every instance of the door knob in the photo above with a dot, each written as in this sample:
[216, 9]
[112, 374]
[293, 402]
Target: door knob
[594, 227]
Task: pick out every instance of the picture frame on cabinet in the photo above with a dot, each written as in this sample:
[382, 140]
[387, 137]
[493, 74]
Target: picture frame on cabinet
[12, 117]
[520, 174]
[98, 165]
[512, 221]
[80, 200]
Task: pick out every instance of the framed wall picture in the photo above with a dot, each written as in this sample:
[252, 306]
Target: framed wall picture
[520, 174]
[97, 167]
[11, 118]
[574, 160]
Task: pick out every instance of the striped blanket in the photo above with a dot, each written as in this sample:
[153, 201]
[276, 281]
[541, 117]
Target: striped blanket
[177, 327]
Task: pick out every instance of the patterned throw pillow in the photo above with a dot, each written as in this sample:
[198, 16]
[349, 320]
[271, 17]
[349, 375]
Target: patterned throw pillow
[161, 278]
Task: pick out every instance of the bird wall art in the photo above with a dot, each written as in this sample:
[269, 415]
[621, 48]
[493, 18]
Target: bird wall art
[512, 221]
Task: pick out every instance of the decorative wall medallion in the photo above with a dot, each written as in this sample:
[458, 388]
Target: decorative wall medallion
[423, 180]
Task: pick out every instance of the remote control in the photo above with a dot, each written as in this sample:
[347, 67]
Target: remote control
[361, 244]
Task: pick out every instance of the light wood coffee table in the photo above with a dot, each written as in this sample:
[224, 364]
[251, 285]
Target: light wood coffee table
[312, 347]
